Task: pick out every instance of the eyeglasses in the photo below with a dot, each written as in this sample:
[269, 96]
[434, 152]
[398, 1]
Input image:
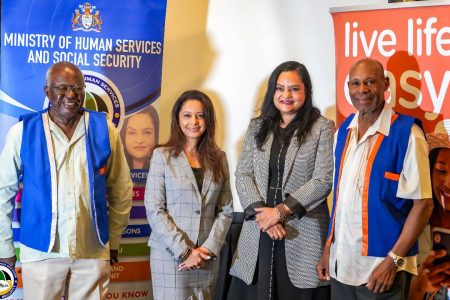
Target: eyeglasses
[64, 89]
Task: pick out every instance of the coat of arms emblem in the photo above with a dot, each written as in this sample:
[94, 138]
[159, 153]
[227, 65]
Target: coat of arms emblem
[89, 19]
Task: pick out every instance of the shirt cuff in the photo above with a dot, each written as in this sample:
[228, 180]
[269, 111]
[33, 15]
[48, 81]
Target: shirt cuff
[7, 250]
[297, 209]
[250, 213]
[212, 255]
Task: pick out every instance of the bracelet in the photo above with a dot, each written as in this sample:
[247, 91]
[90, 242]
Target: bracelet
[282, 211]
[212, 255]
[186, 253]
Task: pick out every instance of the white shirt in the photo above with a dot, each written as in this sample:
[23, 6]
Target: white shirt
[414, 183]
[75, 234]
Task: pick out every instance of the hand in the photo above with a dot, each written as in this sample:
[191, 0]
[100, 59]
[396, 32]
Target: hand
[113, 256]
[266, 217]
[322, 266]
[383, 276]
[9, 260]
[195, 260]
[432, 277]
[277, 232]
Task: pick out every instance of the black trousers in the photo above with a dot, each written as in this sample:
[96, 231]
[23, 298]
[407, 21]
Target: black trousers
[398, 291]
[273, 284]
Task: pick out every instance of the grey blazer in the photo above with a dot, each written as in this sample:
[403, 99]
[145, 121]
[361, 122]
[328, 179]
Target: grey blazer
[307, 178]
[180, 215]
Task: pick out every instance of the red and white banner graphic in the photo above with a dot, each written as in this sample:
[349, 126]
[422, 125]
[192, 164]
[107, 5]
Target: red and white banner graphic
[412, 40]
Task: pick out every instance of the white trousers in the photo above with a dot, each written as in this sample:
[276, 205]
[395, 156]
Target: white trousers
[81, 279]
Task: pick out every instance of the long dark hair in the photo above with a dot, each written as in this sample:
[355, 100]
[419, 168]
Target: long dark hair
[433, 157]
[209, 153]
[271, 116]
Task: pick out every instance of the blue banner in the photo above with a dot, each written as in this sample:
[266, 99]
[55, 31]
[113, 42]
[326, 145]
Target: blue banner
[118, 46]
[134, 231]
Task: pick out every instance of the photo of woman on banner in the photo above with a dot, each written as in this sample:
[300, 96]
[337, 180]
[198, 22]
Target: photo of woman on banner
[188, 203]
[434, 277]
[140, 135]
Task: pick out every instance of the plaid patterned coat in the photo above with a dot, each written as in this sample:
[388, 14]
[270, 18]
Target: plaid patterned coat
[180, 216]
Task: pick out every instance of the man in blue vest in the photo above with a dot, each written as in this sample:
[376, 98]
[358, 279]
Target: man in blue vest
[382, 195]
[76, 195]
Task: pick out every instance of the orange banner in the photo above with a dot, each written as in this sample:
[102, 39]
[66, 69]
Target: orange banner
[413, 43]
[130, 271]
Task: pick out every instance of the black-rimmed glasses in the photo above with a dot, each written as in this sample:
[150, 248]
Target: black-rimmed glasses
[64, 89]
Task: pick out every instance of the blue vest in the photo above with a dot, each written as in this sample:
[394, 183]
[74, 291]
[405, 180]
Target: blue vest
[383, 213]
[39, 198]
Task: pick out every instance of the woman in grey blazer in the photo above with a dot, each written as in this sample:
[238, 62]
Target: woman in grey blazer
[188, 203]
[283, 177]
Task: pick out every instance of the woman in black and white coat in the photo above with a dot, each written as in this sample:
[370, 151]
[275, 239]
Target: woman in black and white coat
[283, 177]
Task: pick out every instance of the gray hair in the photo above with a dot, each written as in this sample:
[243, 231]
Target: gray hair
[60, 64]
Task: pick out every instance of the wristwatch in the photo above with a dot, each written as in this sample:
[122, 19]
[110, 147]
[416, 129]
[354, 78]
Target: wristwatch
[398, 260]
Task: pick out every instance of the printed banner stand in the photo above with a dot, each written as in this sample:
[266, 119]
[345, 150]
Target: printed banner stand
[412, 40]
[118, 46]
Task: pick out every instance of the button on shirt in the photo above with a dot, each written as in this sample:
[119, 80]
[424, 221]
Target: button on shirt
[414, 183]
[76, 236]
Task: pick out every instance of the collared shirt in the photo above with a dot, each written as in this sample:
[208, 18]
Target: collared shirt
[75, 235]
[414, 183]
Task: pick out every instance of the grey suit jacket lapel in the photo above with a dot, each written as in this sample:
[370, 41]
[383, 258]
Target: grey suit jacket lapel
[187, 170]
[290, 156]
[208, 178]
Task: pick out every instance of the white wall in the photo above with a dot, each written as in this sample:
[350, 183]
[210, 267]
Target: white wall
[228, 49]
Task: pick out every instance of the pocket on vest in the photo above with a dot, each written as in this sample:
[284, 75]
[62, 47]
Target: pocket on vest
[389, 192]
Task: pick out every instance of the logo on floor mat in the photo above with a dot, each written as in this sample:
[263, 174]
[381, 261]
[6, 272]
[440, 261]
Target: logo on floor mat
[8, 280]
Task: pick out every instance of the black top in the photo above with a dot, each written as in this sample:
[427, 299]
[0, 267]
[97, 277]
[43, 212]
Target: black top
[282, 138]
[198, 174]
